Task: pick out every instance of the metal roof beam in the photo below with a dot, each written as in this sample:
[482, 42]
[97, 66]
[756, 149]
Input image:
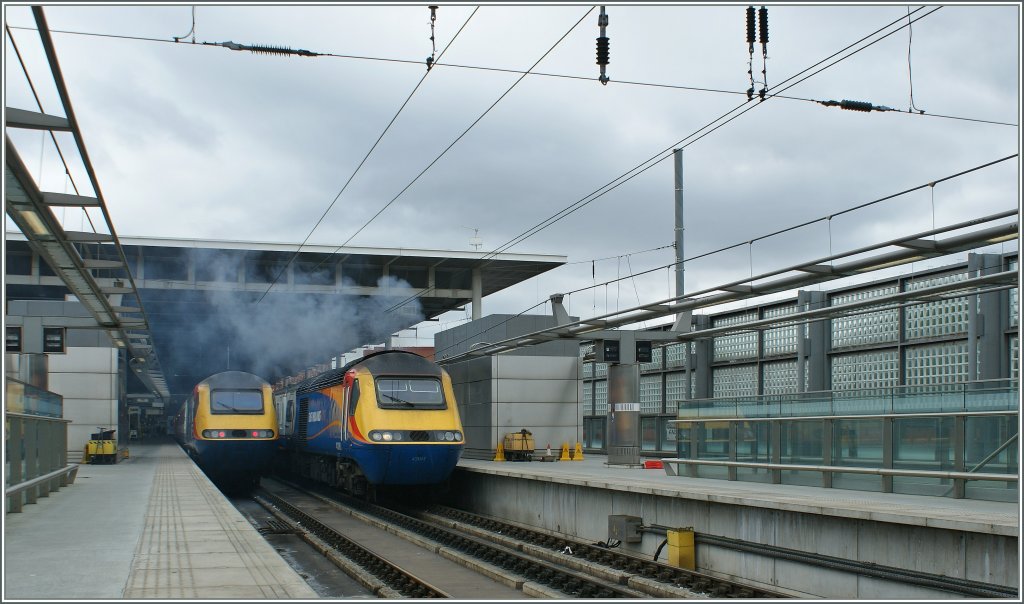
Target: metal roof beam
[33, 120]
[69, 201]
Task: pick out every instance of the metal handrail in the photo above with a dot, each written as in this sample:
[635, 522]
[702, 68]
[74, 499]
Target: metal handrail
[843, 469]
[71, 471]
[689, 420]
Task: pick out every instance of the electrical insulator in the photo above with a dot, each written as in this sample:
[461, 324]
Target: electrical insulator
[603, 49]
[750, 28]
[856, 105]
[763, 24]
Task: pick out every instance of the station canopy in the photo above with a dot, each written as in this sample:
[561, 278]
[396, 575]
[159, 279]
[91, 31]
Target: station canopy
[214, 305]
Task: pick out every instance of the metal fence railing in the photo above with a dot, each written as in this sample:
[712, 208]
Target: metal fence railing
[36, 445]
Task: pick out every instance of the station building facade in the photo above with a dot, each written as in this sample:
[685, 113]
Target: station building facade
[914, 344]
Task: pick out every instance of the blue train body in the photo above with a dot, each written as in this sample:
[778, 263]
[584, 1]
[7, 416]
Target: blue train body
[387, 419]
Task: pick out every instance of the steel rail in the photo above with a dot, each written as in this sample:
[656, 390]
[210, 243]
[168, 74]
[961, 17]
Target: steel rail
[621, 561]
[574, 584]
[394, 577]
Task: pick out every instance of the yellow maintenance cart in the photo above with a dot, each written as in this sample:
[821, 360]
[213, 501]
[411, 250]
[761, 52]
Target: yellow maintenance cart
[101, 448]
[519, 446]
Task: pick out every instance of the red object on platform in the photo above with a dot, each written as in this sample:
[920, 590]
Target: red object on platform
[653, 464]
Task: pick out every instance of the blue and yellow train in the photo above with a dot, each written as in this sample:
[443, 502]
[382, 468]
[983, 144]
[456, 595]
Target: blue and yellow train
[229, 427]
[386, 419]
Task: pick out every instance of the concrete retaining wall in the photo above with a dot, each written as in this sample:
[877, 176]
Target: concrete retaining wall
[582, 512]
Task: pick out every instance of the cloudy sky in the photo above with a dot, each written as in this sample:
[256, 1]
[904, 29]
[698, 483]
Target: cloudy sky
[193, 140]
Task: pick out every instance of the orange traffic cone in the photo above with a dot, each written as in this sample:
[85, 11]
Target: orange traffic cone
[578, 454]
[500, 455]
[565, 453]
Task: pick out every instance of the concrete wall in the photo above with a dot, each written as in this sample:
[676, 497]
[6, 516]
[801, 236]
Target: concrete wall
[88, 374]
[536, 388]
[503, 394]
[87, 379]
[583, 511]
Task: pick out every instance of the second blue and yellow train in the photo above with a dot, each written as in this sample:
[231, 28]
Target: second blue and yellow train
[386, 419]
[228, 426]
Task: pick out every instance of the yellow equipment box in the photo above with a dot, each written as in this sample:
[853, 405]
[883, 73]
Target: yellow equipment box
[519, 446]
[101, 448]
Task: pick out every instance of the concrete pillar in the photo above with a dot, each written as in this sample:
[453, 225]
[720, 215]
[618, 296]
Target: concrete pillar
[478, 288]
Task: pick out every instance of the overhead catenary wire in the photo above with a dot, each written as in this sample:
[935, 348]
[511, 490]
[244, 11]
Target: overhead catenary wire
[690, 139]
[191, 32]
[827, 218]
[538, 74]
[452, 144]
[359, 167]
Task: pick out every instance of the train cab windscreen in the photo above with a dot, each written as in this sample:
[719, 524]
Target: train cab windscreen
[236, 401]
[409, 393]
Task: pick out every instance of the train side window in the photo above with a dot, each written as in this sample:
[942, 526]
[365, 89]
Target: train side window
[290, 413]
[353, 397]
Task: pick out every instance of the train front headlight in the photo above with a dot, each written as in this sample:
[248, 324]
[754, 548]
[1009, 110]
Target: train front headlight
[449, 436]
[458, 435]
[387, 436]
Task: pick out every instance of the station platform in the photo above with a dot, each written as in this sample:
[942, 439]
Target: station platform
[780, 537]
[968, 515]
[152, 526]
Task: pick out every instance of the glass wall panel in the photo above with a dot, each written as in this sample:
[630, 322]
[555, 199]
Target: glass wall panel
[668, 433]
[588, 398]
[753, 444]
[737, 345]
[780, 340]
[600, 369]
[863, 329]
[675, 355]
[934, 319]
[864, 370]
[713, 440]
[674, 384]
[650, 393]
[857, 442]
[648, 433]
[984, 437]
[684, 435]
[801, 444]
[780, 377]
[593, 431]
[943, 363]
[588, 370]
[655, 364]
[601, 397]
[712, 443]
[739, 380]
[922, 444]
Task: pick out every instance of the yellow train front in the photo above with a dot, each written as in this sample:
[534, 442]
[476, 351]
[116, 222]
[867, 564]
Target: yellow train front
[228, 426]
[387, 419]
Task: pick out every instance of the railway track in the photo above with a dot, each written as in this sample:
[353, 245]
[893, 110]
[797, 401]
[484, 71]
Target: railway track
[654, 578]
[538, 566]
[377, 574]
